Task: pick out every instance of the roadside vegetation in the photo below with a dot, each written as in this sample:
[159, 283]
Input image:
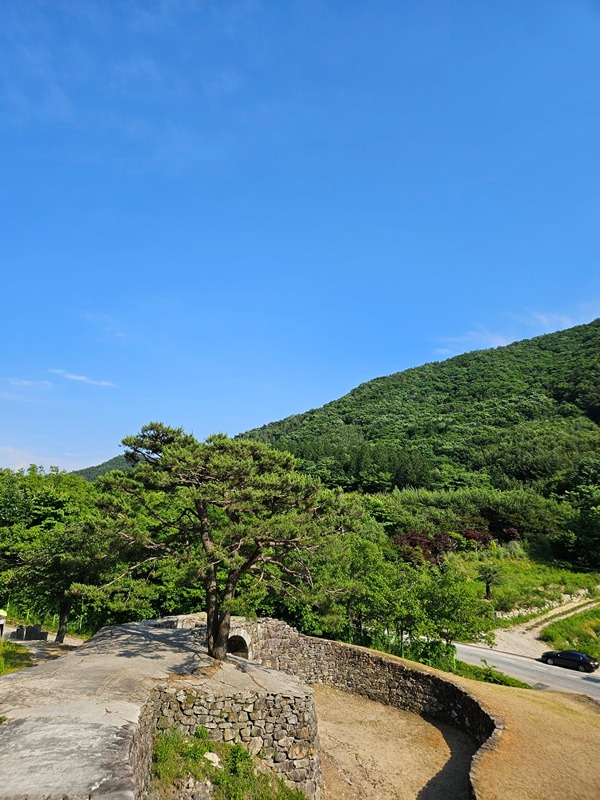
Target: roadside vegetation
[177, 758]
[577, 632]
[519, 583]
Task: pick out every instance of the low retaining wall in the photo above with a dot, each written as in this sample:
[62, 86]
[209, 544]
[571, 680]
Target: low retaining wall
[83, 727]
[378, 677]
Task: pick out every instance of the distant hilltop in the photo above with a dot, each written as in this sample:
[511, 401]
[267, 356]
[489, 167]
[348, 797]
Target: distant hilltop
[91, 473]
[527, 413]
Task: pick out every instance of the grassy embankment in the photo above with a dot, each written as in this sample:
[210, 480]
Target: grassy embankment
[580, 632]
[525, 584]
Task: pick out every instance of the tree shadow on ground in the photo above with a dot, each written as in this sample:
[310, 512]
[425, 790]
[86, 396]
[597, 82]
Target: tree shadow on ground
[452, 781]
[137, 641]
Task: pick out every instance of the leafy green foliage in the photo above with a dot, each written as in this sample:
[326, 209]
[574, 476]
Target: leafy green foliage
[50, 541]
[487, 674]
[218, 511]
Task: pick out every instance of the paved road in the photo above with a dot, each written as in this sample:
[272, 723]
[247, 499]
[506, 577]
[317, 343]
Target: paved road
[538, 675]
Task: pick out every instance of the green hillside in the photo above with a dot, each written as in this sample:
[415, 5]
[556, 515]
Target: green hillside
[525, 414]
[91, 473]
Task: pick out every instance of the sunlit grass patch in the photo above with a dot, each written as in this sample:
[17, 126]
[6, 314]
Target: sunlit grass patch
[13, 657]
[579, 631]
[178, 757]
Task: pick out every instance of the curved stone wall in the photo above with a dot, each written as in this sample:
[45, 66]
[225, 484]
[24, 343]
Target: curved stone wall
[376, 676]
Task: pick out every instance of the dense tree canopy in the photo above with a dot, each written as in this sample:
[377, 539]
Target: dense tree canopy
[516, 415]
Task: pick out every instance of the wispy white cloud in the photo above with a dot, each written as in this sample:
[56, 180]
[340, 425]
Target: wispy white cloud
[13, 458]
[21, 383]
[80, 378]
[479, 338]
[107, 324]
[519, 326]
[23, 390]
[45, 79]
[548, 321]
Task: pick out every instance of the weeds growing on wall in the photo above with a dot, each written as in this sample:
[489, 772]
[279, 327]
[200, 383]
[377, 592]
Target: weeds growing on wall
[178, 757]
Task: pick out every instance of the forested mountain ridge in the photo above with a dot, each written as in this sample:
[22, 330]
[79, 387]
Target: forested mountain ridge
[526, 413]
[91, 473]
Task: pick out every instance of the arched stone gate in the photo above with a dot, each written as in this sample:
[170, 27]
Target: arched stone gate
[240, 643]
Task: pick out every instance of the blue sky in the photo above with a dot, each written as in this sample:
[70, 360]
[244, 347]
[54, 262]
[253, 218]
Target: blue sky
[217, 213]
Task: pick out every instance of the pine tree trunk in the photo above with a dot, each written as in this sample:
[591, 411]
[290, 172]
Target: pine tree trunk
[220, 636]
[64, 611]
[218, 622]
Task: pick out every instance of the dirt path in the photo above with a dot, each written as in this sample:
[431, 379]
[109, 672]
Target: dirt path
[370, 750]
[523, 639]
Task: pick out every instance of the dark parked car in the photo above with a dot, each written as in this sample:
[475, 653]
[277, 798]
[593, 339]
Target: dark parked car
[570, 658]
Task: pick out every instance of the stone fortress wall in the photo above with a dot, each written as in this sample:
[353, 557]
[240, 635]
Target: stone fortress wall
[99, 708]
[280, 727]
[377, 676]
[374, 675]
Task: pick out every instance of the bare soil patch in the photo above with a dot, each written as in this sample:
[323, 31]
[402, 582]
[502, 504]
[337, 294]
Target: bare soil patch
[370, 750]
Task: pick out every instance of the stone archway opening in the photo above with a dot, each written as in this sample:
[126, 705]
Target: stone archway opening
[237, 646]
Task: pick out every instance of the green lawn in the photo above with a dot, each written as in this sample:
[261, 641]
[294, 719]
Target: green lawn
[13, 657]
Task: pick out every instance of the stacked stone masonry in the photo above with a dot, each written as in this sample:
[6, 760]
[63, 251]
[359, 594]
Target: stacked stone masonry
[269, 713]
[376, 676]
[279, 728]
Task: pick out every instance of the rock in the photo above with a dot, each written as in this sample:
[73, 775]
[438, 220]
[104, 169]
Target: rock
[214, 759]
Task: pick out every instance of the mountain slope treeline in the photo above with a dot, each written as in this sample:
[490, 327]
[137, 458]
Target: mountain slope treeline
[501, 443]
[525, 414]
